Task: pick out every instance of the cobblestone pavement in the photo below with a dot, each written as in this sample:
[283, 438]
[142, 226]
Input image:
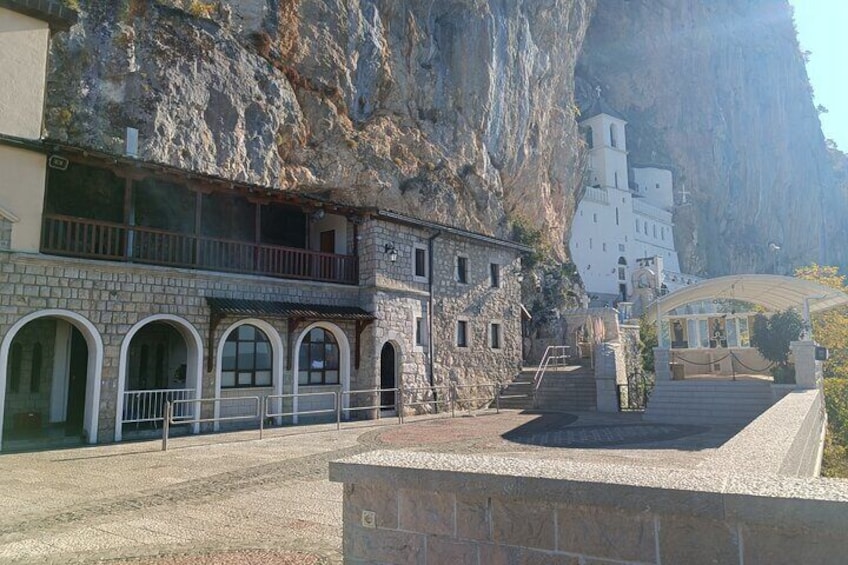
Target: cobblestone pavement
[234, 499]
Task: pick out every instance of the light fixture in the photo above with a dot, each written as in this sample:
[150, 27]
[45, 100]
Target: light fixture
[390, 250]
[318, 214]
[520, 277]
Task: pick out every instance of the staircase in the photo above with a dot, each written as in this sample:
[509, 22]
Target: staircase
[567, 389]
[518, 395]
[563, 389]
[708, 401]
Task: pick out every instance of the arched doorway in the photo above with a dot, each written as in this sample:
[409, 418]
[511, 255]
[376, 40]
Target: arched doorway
[161, 360]
[388, 377]
[49, 362]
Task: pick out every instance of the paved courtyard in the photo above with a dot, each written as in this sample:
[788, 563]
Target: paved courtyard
[234, 499]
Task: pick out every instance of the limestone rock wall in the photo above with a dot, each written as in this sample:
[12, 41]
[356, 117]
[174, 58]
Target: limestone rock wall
[717, 89]
[455, 110]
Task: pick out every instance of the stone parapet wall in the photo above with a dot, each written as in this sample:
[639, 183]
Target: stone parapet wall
[424, 508]
[787, 439]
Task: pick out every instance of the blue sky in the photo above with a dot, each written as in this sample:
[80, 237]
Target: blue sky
[823, 30]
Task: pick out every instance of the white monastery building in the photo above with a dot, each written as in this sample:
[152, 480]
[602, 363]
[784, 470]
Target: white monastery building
[623, 230]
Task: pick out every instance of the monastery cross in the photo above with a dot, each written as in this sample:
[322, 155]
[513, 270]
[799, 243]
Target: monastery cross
[684, 194]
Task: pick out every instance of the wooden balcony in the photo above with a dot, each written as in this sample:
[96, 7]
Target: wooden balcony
[94, 239]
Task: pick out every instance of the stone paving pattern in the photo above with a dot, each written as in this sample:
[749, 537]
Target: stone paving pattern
[232, 498]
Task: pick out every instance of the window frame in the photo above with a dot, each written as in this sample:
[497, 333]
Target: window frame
[461, 274]
[306, 345]
[235, 337]
[416, 247]
[496, 335]
[495, 275]
[465, 343]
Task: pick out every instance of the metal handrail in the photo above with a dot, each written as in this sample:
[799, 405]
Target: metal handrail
[556, 353]
[334, 410]
[170, 420]
[440, 401]
[262, 410]
[496, 397]
[398, 405]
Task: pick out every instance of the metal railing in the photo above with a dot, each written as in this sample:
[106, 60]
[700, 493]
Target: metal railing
[171, 420]
[398, 406]
[556, 355]
[471, 402]
[445, 397]
[147, 405]
[270, 413]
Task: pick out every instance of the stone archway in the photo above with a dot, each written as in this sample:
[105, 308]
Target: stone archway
[344, 361]
[65, 359]
[147, 406]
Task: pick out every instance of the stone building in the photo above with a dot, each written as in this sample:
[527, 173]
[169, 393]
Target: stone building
[124, 284]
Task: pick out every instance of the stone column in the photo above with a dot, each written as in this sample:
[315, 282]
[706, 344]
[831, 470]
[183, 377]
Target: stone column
[808, 371]
[606, 369]
[661, 361]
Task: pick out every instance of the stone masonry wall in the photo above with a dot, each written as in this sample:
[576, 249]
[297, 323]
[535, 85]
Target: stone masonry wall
[425, 508]
[398, 297]
[115, 296]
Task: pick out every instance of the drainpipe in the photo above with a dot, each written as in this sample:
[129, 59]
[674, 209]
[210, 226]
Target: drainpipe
[430, 313]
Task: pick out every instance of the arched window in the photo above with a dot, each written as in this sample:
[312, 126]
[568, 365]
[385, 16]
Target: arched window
[16, 359]
[616, 179]
[246, 361]
[318, 359]
[613, 136]
[35, 369]
[590, 143]
[616, 215]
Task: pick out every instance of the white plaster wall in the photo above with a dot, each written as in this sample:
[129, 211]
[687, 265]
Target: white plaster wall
[22, 193]
[329, 222]
[655, 185]
[606, 160]
[23, 66]
[595, 244]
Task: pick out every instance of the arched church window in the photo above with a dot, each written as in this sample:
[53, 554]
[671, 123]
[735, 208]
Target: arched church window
[613, 136]
[590, 143]
[246, 360]
[318, 358]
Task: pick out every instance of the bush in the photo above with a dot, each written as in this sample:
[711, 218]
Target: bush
[835, 462]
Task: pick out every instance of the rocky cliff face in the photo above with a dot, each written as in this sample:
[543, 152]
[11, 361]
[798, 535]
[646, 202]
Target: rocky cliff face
[452, 110]
[717, 90]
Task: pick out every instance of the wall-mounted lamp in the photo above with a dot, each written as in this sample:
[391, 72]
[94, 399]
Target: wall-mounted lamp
[318, 214]
[520, 276]
[390, 250]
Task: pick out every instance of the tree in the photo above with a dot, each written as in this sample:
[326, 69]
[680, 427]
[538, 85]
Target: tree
[647, 342]
[772, 336]
[830, 328]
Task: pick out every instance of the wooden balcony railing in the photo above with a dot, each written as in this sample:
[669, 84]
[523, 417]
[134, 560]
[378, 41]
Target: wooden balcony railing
[78, 237]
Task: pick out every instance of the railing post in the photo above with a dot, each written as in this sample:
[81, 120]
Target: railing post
[262, 401]
[452, 393]
[339, 399]
[166, 425]
[400, 403]
[497, 399]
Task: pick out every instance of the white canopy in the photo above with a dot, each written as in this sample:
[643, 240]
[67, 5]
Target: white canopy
[773, 292]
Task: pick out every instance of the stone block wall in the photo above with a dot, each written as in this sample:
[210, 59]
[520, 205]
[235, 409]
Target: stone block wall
[424, 508]
[116, 296]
